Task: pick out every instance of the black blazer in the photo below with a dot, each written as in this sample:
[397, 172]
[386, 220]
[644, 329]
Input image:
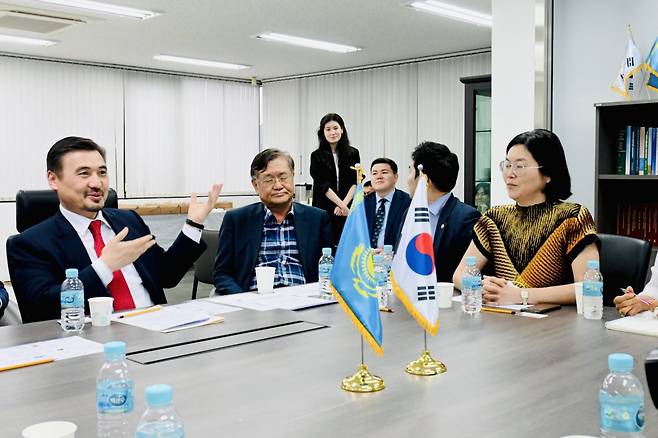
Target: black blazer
[395, 219]
[453, 234]
[39, 256]
[323, 171]
[239, 244]
[4, 297]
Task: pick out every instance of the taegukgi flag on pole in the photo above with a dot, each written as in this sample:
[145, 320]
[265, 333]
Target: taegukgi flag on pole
[353, 275]
[627, 83]
[412, 270]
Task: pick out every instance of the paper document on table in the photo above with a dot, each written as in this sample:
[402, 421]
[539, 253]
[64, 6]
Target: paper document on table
[47, 351]
[208, 307]
[167, 319]
[644, 323]
[246, 300]
[263, 302]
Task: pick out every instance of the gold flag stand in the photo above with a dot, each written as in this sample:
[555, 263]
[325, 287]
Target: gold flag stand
[363, 380]
[426, 365]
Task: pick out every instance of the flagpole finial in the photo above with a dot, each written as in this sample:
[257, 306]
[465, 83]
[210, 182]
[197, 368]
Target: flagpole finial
[419, 167]
[359, 171]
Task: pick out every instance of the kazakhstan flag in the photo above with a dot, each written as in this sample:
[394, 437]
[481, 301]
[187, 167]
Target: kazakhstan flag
[353, 275]
[652, 67]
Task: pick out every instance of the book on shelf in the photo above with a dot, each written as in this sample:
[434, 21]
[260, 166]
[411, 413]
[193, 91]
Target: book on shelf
[636, 150]
[639, 220]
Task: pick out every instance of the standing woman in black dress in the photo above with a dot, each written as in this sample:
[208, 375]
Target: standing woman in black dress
[334, 183]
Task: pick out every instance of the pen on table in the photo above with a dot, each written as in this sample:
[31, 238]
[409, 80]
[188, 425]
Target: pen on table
[386, 309]
[497, 310]
[140, 312]
[26, 364]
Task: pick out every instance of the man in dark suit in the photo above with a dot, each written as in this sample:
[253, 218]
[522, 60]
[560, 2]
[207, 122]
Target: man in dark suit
[451, 219]
[275, 232]
[385, 208]
[4, 299]
[113, 250]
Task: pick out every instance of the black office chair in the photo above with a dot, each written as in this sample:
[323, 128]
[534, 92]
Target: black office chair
[34, 206]
[624, 262]
[205, 264]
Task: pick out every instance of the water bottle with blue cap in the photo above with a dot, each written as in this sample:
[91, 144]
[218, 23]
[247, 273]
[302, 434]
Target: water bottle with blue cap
[114, 392]
[160, 420]
[471, 287]
[621, 400]
[325, 264]
[593, 291]
[72, 302]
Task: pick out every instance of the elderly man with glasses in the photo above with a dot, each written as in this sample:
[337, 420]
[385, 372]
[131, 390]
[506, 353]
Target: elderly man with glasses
[275, 232]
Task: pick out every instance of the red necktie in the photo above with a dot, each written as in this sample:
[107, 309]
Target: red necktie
[118, 287]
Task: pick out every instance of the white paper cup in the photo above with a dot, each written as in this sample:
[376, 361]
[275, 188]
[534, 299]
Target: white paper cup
[265, 279]
[100, 309]
[445, 292]
[51, 429]
[579, 297]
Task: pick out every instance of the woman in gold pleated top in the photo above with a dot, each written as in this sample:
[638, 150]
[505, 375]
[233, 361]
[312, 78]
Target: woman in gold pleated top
[535, 249]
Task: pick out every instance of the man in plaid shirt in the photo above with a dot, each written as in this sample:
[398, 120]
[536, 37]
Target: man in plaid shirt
[275, 232]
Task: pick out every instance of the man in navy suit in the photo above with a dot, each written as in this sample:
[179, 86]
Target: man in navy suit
[386, 208]
[275, 232]
[451, 219]
[113, 250]
[4, 299]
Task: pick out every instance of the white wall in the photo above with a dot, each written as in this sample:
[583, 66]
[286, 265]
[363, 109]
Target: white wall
[387, 111]
[512, 82]
[589, 45]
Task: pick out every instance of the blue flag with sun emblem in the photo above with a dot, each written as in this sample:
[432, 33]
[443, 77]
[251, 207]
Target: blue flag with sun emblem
[353, 275]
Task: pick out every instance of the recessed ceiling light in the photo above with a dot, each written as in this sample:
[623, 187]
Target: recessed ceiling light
[200, 62]
[306, 42]
[453, 12]
[106, 8]
[25, 41]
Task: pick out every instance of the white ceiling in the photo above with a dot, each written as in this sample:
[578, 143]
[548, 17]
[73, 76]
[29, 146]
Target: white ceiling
[224, 30]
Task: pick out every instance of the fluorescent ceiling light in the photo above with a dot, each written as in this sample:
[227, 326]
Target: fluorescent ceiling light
[453, 12]
[305, 42]
[26, 41]
[105, 8]
[200, 62]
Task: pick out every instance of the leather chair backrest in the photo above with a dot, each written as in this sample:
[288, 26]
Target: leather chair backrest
[205, 264]
[34, 206]
[624, 262]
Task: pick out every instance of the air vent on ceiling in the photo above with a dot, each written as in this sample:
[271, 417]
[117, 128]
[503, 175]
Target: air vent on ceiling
[37, 23]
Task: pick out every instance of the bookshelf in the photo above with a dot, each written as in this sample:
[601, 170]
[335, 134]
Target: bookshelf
[624, 204]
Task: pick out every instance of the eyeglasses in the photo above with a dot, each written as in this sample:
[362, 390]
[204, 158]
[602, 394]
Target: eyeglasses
[516, 168]
[283, 179]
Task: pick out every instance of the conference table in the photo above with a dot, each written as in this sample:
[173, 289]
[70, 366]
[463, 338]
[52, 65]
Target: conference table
[277, 374]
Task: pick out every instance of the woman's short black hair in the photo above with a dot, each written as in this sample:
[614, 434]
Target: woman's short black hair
[322, 140]
[439, 164]
[546, 148]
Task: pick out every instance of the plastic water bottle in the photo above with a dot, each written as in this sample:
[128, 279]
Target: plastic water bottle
[380, 280]
[72, 300]
[324, 272]
[114, 393]
[593, 291]
[388, 261]
[160, 420]
[621, 399]
[471, 287]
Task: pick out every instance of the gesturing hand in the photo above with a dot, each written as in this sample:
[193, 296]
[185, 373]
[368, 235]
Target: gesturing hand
[199, 211]
[118, 253]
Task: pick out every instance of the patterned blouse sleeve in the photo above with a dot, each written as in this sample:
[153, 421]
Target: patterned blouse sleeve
[580, 232]
[483, 232]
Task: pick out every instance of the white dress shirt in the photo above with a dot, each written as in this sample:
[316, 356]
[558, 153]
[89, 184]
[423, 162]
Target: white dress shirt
[651, 289]
[387, 208]
[139, 293]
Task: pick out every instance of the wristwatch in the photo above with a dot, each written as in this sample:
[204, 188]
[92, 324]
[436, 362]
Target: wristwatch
[524, 296]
